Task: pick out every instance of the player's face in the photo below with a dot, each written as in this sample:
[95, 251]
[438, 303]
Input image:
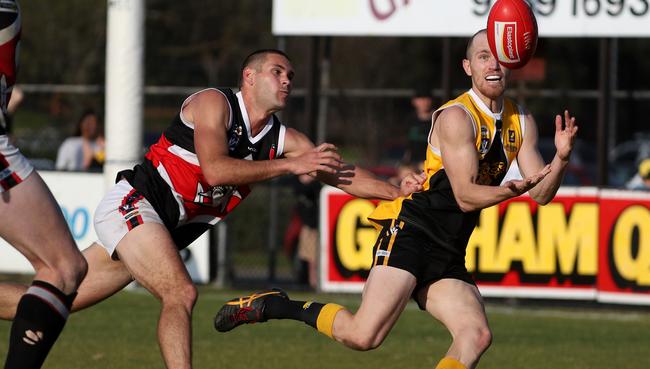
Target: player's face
[488, 76]
[274, 81]
[89, 127]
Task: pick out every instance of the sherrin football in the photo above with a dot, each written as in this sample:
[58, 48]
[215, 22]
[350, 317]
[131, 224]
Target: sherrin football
[512, 32]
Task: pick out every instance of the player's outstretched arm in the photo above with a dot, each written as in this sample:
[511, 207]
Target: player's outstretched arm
[210, 113]
[350, 178]
[361, 183]
[455, 133]
[530, 160]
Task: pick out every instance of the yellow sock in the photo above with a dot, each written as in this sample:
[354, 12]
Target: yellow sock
[325, 320]
[450, 363]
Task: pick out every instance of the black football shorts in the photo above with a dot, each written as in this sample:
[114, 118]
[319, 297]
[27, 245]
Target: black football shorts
[404, 246]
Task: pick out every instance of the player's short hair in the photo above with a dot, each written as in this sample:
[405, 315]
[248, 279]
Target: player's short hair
[256, 58]
[470, 42]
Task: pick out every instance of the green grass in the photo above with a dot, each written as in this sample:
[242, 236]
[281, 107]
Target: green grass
[120, 333]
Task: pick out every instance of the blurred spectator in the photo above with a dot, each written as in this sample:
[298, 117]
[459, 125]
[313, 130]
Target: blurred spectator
[419, 123]
[85, 150]
[307, 191]
[641, 181]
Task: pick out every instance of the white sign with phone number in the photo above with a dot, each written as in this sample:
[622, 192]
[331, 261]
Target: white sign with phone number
[556, 18]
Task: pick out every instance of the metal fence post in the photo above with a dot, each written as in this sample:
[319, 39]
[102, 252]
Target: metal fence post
[220, 254]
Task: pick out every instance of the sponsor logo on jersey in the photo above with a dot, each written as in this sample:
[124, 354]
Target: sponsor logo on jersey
[203, 196]
[487, 172]
[272, 152]
[485, 140]
[235, 136]
[217, 196]
[511, 145]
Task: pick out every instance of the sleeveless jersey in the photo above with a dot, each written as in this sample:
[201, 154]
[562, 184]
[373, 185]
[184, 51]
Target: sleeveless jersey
[171, 179]
[10, 27]
[434, 210]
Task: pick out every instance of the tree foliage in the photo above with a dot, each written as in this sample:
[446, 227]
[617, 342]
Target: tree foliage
[63, 41]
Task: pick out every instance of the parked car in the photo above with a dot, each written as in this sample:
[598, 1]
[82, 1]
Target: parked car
[624, 159]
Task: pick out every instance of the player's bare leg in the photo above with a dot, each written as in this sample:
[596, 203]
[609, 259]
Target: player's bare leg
[151, 257]
[32, 222]
[10, 294]
[385, 295]
[459, 306]
[105, 277]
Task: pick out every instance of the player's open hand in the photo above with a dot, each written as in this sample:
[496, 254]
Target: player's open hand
[412, 183]
[565, 134]
[520, 186]
[324, 158]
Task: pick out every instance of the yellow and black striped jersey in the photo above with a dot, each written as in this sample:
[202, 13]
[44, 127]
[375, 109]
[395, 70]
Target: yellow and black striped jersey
[499, 137]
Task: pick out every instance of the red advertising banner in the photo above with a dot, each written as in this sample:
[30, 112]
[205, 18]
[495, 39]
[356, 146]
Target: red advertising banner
[586, 244]
[347, 238]
[624, 253]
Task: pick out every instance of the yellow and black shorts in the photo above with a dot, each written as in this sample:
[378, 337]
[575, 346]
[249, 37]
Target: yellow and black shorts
[407, 247]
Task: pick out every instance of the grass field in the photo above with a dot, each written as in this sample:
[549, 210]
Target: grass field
[120, 333]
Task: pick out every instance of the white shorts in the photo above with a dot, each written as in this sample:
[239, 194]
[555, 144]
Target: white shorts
[121, 210]
[14, 167]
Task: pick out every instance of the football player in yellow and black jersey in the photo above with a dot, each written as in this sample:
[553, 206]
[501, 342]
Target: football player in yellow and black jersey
[420, 251]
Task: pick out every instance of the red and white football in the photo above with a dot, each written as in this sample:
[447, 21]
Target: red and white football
[512, 32]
